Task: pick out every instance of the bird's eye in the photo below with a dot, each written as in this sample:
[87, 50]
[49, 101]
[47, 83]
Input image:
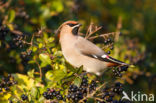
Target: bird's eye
[71, 25]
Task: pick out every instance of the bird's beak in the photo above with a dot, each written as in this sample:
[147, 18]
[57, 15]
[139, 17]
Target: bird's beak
[78, 25]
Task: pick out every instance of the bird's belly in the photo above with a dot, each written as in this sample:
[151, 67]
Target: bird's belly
[73, 58]
[89, 64]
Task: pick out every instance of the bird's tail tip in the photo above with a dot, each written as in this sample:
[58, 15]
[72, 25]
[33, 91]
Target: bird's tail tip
[129, 65]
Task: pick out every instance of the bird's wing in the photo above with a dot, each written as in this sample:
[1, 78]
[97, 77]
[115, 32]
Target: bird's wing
[89, 49]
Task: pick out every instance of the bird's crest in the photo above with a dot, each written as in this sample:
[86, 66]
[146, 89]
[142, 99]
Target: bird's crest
[67, 22]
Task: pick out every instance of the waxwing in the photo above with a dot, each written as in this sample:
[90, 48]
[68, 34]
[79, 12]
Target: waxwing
[79, 51]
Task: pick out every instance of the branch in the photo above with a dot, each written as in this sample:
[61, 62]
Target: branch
[103, 35]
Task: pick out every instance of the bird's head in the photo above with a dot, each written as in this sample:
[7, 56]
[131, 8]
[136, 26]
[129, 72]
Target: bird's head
[68, 27]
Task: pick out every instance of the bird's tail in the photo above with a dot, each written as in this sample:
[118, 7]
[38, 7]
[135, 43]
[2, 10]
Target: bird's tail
[115, 62]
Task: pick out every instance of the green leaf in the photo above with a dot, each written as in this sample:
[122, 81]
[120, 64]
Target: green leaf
[70, 67]
[31, 73]
[34, 92]
[69, 78]
[90, 100]
[77, 81]
[45, 59]
[58, 75]
[49, 75]
[40, 45]
[11, 16]
[80, 69]
[23, 80]
[41, 99]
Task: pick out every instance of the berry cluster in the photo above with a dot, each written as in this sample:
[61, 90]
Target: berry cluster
[108, 41]
[118, 70]
[18, 40]
[24, 97]
[25, 56]
[92, 86]
[3, 32]
[118, 88]
[109, 93]
[77, 93]
[6, 83]
[51, 94]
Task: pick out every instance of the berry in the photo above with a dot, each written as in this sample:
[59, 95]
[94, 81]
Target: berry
[48, 89]
[108, 52]
[112, 47]
[124, 68]
[59, 97]
[105, 41]
[84, 82]
[24, 97]
[109, 40]
[1, 90]
[118, 84]
[7, 88]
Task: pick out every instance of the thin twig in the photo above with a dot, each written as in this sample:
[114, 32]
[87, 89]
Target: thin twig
[6, 4]
[97, 29]
[92, 94]
[89, 29]
[32, 40]
[102, 35]
[119, 26]
[40, 70]
[16, 32]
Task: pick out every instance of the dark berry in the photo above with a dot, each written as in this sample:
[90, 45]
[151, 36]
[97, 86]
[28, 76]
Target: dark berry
[112, 47]
[105, 41]
[59, 97]
[109, 40]
[7, 88]
[24, 97]
[108, 52]
[48, 89]
[118, 84]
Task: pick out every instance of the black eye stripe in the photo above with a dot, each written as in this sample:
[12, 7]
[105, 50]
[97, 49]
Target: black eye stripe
[71, 25]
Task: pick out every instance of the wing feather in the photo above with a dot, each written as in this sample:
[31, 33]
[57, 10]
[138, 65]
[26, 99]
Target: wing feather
[89, 49]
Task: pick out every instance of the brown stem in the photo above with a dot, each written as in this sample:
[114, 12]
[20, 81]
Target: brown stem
[97, 29]
[92, 94]
[102, 35]
[40, 70]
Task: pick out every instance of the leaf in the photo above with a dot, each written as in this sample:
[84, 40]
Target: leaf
[49, 75]
[51, 39]
[11, 16]
[41, 99]
[90, 100]
[5, 97]
[69, 78]
[34, 92]
[23, 80]
[77, 81]
[34, 49]
[31, 73]
[45, 59]
[58, 75]
[70, 67]
[80, 69]
[40, 45]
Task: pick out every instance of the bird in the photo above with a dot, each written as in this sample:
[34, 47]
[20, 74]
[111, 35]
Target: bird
[79, 51]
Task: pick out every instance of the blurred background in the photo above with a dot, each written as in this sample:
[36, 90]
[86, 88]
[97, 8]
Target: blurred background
[135, 19]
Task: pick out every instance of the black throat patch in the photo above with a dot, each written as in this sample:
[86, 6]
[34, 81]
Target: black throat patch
[75, 31]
